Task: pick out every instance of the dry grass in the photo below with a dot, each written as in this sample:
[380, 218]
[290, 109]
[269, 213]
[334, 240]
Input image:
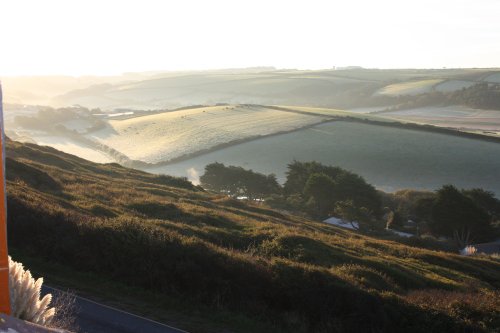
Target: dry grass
[186, 243]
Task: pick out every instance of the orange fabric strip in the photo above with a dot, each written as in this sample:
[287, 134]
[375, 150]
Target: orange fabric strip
[4, 261]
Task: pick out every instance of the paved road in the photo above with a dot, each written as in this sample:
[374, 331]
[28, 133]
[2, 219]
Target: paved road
[93, 317]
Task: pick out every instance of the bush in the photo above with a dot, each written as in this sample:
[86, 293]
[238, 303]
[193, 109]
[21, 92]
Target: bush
[25, 296]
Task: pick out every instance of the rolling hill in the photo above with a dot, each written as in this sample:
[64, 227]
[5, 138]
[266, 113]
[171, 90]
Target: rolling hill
[215, 264]
[320, 88]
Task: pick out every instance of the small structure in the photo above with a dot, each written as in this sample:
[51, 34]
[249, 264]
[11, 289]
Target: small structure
[401, 233]
[484, 248]
[341, 223]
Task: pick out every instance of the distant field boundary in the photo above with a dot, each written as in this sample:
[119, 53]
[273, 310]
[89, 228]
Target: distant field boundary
[424, 127]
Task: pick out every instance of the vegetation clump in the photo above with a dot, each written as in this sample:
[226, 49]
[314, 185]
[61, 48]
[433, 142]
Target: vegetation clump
[25, 296]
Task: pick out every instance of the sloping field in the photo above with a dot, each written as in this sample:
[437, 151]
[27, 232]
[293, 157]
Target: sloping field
[457, 117]
[164, 136]
[409, 88]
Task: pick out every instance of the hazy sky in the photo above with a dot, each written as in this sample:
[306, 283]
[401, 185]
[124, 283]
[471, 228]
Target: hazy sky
[109, 37]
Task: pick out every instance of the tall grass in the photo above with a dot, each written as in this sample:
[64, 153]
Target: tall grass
[25, 296]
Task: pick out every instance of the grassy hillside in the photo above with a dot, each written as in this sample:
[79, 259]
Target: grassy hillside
[260, 267]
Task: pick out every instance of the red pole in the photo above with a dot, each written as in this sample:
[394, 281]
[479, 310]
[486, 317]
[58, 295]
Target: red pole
[4, 260]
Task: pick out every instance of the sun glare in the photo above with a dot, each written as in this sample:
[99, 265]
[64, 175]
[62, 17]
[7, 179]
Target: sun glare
[111, 37]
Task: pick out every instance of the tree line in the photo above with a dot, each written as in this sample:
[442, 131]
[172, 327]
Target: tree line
[479, 96]
[467, 216]
[318, 190]
[237, 181]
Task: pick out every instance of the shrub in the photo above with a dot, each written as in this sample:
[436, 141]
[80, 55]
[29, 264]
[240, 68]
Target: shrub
[25, 296]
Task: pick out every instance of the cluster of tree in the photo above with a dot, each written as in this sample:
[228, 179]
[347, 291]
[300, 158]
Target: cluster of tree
[467, 216]
[310, 187]
[236, 181]
[320, 188]
[481, 96]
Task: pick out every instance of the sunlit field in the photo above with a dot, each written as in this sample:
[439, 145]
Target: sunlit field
[164, 136]
[409, 88]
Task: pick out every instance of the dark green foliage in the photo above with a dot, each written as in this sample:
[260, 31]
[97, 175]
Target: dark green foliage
[310, 187]
[353, 213]
[456, 215]
[480, 96]
[468, 216]
[423, 209]
[406, 202]
[349, 186]
[486, 200]
[320, 186]
[298, 174]
[236, 181]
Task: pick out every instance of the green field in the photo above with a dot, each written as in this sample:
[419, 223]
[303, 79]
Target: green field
[390, 158]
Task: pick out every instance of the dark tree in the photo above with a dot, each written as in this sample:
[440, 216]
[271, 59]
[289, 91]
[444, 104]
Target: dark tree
[456, 215]
[348, 211]
[299, 172]
[215, 178]
[350, 186]
[320, 187]
[486, 200]
[237, 181]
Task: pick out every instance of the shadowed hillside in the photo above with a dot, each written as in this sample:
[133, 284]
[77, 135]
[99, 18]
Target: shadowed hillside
[164, 235]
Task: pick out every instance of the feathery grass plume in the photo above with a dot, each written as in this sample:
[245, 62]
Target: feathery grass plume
[25, 296]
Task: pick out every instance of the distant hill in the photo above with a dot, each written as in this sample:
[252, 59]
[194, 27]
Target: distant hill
[281, 272]
[41, 89]
[325, 88]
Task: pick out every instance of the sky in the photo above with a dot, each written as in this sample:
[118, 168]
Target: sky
[107, 37]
